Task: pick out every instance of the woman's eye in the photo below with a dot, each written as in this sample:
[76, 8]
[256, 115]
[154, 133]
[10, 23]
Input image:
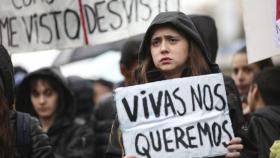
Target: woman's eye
[155, 43]
[34, 94]
[173, 40]
[49, 93]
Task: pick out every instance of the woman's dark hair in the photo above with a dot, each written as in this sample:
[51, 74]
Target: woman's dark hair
[56, 87]
[6, 139]
[129, 52]
[196, 62]
[268, 84]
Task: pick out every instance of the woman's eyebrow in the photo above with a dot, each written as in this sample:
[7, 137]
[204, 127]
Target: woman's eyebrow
[155, 38]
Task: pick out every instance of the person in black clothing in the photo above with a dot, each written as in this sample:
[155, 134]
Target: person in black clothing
[39, 145]
[264, 103]
[44, 94]
[105, 112]
[83, 94]
[173, 48]
[101, 88]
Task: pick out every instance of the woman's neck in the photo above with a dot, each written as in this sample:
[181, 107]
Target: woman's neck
[46, 123]
[172, 75]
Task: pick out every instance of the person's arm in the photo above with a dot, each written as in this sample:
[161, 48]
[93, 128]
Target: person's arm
[40, 143]
[114, 148]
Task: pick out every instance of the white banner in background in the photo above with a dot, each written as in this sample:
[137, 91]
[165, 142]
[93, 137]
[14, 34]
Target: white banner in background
[261, 28]
[182, 118]
[30, 25]
[277, 20]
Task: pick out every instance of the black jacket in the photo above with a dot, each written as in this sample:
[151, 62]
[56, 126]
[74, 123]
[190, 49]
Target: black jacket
[83, 93]
[264, 129]
[188, 25]
[104, 114]
[69, 140]
[40, 143]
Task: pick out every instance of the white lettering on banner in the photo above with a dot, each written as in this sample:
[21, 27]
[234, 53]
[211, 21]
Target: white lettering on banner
[28, 25]
[186, 117]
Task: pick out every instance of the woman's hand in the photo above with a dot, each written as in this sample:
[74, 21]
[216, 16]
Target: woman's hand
[130, 156]
[234, 148]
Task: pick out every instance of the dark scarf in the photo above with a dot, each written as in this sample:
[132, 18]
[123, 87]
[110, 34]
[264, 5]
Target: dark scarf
[155, 75]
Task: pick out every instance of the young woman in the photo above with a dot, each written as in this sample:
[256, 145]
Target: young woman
[45, 95]
[172, 48]
[38, 144]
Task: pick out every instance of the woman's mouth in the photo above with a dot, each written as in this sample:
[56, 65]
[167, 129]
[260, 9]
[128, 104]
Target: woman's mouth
[165, 60]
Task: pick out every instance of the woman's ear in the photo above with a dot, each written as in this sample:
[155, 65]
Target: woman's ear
[124, 70]
[255, 92]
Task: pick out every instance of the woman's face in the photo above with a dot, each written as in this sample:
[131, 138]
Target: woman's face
[44, 99]
[169, 51]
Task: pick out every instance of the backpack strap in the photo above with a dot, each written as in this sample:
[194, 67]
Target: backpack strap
[23, 134]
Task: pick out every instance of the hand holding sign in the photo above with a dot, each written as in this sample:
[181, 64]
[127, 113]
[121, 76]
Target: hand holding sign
[234, 148]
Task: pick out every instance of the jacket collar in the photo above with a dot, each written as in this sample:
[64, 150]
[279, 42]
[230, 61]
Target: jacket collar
[155, 75]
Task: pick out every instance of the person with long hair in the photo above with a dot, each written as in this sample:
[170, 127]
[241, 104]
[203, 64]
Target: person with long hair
[173, 48]
[38, 144]
[45, 95]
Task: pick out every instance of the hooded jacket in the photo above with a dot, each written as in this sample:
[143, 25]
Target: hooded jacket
[201, 30]
[68, 139]
[264, 129]
[83, 93]
[40, 144]
[185, 24]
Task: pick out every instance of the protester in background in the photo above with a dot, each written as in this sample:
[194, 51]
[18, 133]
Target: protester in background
[264, 103]
[83, 94]
[243, 73]
[101, 87]
[37, 144]
[44, 94]
[129, 60]
[172, 48]
[105, 112]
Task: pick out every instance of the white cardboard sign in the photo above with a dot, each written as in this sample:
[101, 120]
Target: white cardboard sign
[182, 118]
[261, 28]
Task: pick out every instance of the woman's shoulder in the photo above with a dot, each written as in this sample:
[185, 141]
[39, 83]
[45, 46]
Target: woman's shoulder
[30, 138]
[29, 124]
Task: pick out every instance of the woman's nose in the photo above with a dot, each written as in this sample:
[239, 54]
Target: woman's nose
[240, 75]
[41, 99]
[163, 47]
